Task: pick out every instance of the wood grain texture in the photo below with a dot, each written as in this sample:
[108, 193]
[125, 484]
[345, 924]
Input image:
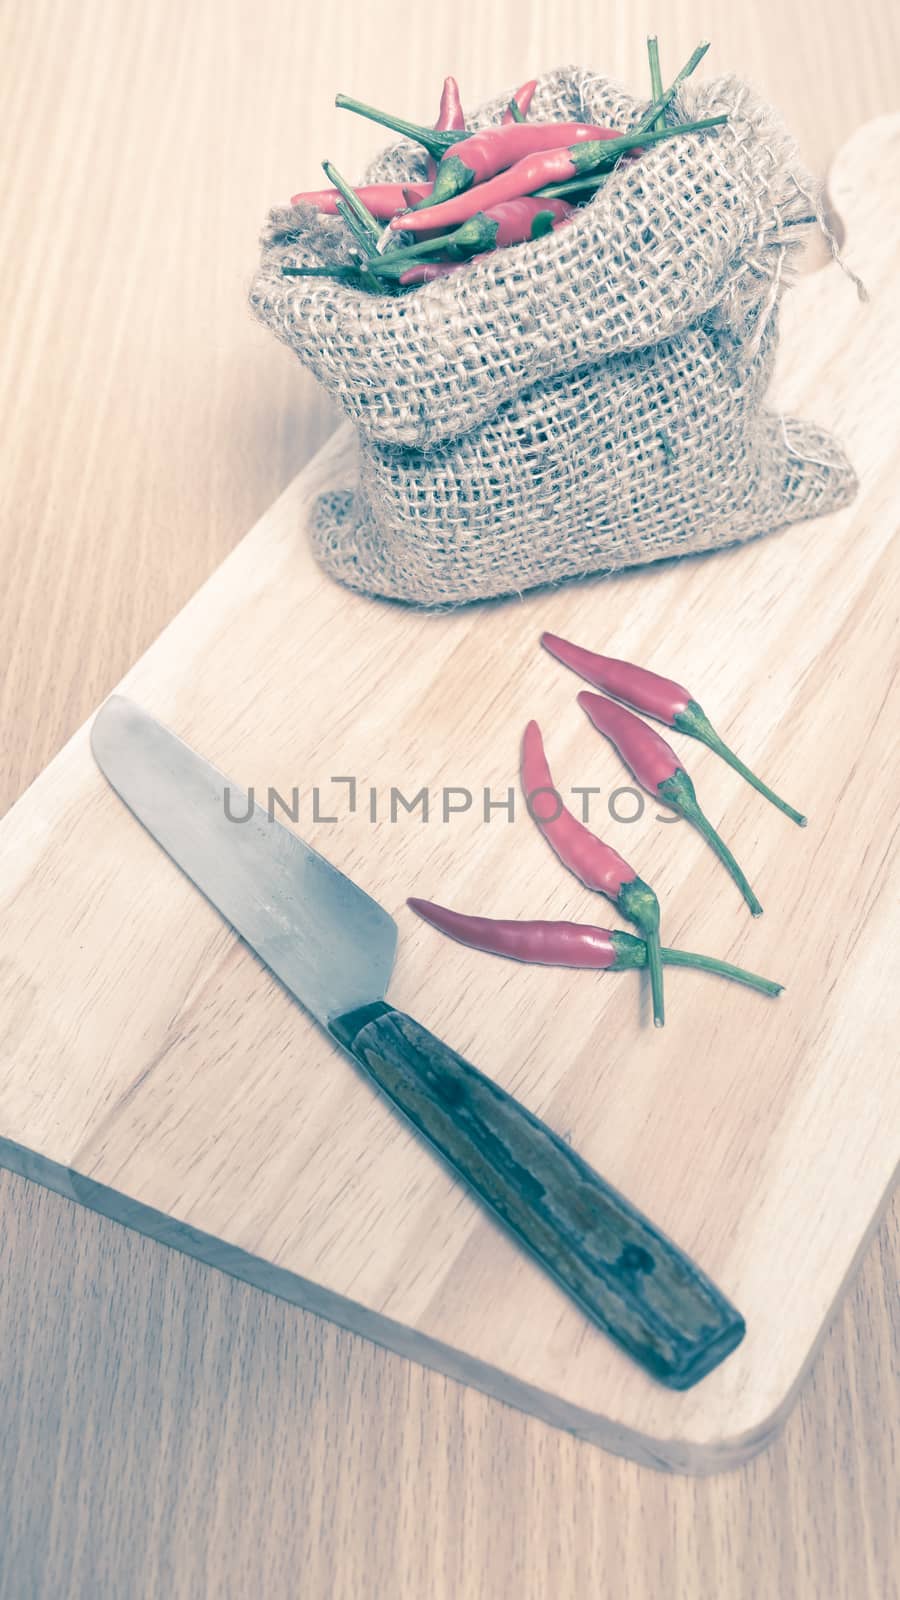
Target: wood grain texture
[145, 423]
[161, 1076]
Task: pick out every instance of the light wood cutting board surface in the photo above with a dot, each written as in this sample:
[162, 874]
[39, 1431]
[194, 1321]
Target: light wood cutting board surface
[155, 1071]
[164, 1426]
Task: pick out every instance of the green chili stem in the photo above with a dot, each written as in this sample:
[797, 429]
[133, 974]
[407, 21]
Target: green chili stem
[388, 267]
[352, 201]
[360, 234]
[724, 969]
[693, 720]
[632, 952]
[433, 140]
[637, 901]
[476, 234]
[560, 191]
[735, 761]
[594, 173]
[678, 791]
[363, 242]
[596, 153]
[513, 109]
[654, 964]
[705, 827]
[651, 116]
[339, 271]
[656, 87]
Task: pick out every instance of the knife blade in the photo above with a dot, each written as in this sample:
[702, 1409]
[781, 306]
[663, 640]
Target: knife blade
[333, 947]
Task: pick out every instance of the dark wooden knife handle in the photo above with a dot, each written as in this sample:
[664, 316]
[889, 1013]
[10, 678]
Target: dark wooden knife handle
[629, 1278]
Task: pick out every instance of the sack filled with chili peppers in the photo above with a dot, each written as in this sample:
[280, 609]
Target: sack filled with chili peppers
[581, 401]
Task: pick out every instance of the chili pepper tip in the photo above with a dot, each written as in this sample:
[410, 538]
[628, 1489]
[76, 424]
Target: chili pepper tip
[570, 944]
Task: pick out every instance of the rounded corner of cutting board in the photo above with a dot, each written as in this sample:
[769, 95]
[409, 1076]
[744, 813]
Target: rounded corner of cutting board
[871, 151]
[709, 1450]
[712, 1428]
[867, 142]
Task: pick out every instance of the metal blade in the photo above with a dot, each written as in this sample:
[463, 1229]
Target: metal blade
[327, 941]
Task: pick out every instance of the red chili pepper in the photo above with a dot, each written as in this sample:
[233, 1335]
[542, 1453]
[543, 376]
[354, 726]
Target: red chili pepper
[645, 691]
[658, 769]
[511, 223]
[571, 944]
[526, 218]
[522, 101]
[516, 221]
[598, 865]
[384, 200]
[553, 944]
[431, 233]
[482, 155]
[536, 171]
[450, 116]
[651, 123]
[660, 698]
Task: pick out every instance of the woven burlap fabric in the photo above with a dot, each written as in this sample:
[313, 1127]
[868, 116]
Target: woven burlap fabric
[581, 403]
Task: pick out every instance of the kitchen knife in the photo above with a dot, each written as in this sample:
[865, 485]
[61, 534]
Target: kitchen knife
[333, 947]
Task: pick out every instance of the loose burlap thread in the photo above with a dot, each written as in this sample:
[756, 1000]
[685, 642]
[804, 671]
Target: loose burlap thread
[585, 402]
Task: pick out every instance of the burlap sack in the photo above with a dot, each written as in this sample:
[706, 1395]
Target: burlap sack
[581, 403]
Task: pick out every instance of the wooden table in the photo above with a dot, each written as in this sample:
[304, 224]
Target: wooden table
[164, 1429]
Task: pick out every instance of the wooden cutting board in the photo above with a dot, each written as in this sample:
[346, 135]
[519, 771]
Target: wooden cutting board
[150, 1068]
